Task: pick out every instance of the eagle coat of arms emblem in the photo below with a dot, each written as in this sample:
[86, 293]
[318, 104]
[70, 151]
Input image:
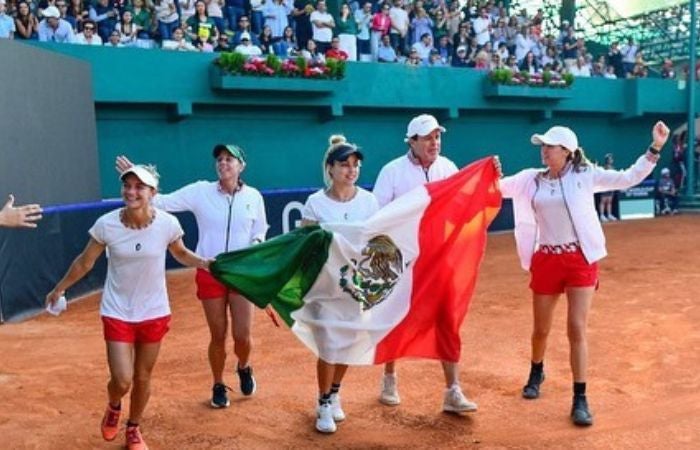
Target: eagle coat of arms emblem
[370, 280]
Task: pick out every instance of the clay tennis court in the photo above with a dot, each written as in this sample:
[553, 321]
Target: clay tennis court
[644, 377]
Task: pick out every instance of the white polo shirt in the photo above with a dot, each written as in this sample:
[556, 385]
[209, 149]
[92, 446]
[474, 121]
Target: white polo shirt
[135, 287]
[401, 175]
[224, 222]
[321, 34]
[320, 208]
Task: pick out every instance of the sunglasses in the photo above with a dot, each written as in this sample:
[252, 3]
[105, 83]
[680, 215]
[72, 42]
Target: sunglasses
[89, 28]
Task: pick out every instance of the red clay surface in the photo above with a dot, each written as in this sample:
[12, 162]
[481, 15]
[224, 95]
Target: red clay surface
[644, 381]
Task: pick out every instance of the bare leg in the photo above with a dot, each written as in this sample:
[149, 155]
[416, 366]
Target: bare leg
[339, 373]
[579, 300]
[542, 313]
[145, 358]
[241, 325]
[390, 368]
[324, 373]
[120, 357]
[451, 371]
[217, 319]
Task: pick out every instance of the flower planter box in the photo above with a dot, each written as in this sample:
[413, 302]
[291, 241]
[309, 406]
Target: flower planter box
[223, 81]
[510, 91]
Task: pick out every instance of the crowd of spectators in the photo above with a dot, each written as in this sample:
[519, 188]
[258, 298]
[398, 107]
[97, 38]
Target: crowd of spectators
[460, 33]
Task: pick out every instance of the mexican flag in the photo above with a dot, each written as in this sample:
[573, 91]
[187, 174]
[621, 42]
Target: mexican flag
[398, 285]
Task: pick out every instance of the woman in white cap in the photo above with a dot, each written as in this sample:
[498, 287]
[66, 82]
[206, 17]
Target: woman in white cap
[340, 202]
[135, 309]
[560, 241]
[230, 215]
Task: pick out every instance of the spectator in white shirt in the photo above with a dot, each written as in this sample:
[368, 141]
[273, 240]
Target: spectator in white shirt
[581, 68]
[178, 42]
[55, 29]
[423, 47]
[322, 24]
[247, 48]
[482, 27]
[399, 26]
[88, 36]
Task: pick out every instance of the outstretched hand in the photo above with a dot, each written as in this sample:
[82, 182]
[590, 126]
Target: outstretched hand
[122, 163]
[19, 216]
[660, 134]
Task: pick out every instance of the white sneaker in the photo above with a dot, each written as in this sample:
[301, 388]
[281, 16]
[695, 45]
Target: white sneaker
[389, 394]
[612, 218]
[603, 218]
[338, 413]
[324, 419]
[455, 401]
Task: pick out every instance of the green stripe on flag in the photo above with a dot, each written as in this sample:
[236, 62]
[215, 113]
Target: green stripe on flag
[278, 272]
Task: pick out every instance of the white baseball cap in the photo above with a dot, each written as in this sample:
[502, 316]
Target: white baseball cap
[51, 11]
[557, 136]
[422, 125]
[665, 171]
[146, 176]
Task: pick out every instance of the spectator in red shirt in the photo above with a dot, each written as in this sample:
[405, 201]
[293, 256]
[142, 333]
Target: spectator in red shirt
[335, 52]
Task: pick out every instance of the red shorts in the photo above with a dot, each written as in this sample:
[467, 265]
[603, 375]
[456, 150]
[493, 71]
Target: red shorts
[146, 332]
[208, 287]
[553, 273]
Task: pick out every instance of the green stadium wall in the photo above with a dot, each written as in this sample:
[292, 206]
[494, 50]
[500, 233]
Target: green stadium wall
[170, 108]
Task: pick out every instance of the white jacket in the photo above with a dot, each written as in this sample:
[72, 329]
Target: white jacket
[578, 189]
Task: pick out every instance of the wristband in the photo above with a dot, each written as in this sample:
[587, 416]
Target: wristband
[653, 151]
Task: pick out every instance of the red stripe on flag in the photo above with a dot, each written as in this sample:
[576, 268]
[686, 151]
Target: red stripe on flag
[452, 240]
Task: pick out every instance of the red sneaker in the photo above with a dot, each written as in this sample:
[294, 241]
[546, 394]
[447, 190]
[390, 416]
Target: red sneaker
[134, 440]
[110, 423]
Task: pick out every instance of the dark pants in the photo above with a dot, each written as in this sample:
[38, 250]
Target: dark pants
[398, 42]
[323, 47]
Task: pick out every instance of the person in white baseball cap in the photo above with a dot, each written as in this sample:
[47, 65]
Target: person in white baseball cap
[54, 29]
[421, 126]
[421, 164]
[557, 135]
[147, 175]
[560, 241]
[134, 307]
[230, 215]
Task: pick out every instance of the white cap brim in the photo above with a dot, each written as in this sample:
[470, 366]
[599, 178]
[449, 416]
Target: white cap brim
[142, 174]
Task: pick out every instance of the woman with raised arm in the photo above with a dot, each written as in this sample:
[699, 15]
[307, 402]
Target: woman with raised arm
[560, 241]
